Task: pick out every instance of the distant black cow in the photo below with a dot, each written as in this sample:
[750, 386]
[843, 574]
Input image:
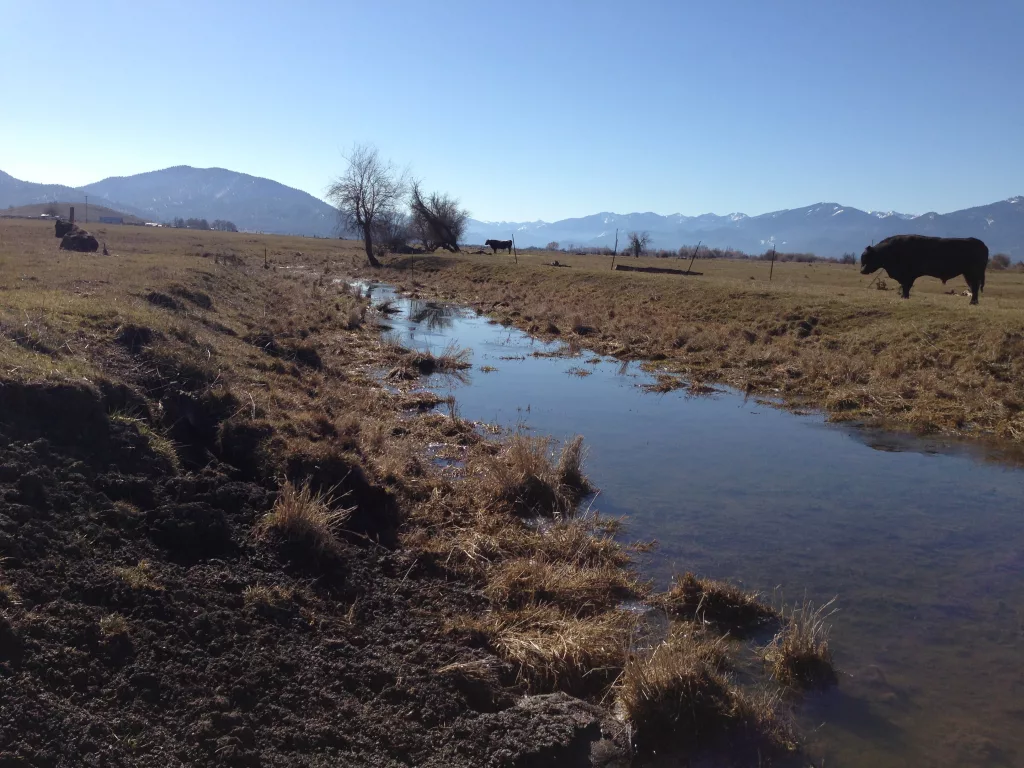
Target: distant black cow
[908, 257]
[499, 245]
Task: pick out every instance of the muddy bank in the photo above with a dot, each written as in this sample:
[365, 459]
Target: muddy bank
[142, 623]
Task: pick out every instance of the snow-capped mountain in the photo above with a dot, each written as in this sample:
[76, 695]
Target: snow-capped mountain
[257, 204]
[826, 229]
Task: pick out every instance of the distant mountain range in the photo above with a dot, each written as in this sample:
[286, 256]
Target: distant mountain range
[252, 203]
[826, 229]
[262, 205]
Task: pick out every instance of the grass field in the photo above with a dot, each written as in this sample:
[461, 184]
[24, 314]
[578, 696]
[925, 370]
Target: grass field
[208, 438]
[819, 335]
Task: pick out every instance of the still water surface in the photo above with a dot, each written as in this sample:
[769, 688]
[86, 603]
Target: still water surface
[922, 542]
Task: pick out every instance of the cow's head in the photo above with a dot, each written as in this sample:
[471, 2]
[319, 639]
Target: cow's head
[870, 261]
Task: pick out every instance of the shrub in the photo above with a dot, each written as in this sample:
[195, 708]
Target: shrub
[1000, 261]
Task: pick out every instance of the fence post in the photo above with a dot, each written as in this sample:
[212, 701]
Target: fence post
[772, 270]
[694, 254]
[514, 249]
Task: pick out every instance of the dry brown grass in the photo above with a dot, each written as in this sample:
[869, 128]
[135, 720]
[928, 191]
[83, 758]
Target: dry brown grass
[527, 480]
[114, 624]
[413, 364]
[722, 604]
[304, 518]
[8, 596]
[799, 655]
[814, 335]
[262, 597]
[556, 651]
[677, 694]
[141, 576]
[583, 589]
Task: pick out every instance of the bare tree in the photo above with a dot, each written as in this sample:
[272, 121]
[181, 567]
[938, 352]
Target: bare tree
[437, 219]
[368, 192]
[638, 242]
[553, 245]
[392, 233]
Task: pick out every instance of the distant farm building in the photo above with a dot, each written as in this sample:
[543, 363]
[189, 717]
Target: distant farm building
[111, 219]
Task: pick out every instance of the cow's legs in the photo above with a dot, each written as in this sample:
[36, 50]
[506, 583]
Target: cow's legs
[975, 289]
[906, 289]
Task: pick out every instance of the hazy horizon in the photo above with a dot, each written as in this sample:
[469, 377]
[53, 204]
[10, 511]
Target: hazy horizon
[537, 111]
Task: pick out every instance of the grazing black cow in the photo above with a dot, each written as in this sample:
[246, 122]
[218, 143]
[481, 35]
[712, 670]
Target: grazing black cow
[499, 245]
[908, 257]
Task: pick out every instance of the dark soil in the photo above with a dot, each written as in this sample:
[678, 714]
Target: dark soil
[181, 666]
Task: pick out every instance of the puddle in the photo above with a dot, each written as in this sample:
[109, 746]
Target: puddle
[922, 541]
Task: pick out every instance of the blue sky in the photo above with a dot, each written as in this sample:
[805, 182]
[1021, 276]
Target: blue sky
[531, 110]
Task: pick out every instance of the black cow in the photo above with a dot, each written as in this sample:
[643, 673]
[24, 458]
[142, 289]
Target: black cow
[908, 257]
[499, 245]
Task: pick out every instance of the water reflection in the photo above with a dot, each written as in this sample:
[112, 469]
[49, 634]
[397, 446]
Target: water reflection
[433, 315]
[921, 539]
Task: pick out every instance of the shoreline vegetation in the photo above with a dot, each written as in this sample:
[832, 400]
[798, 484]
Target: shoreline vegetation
[228, 540]
[818, 335]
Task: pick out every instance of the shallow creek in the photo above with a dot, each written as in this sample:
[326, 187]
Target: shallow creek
[921, 542]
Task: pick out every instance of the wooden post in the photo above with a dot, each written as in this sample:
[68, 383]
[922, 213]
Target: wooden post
[694, 255]
[613, 262]
[514, 249]
[773, 264]
[265, 264]
[616, 249]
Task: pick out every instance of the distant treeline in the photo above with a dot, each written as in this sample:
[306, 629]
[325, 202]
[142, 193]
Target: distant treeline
[998, 261]
[686, 252]
[219, 225]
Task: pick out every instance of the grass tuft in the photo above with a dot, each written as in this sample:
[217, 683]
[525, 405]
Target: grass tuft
[8, 596]
[304, 518]
[678, 694]
[585, 589]
[524, 477]
[799, 655]
[716, 602]
[114, 624]
[139, 576]
[555, 651]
